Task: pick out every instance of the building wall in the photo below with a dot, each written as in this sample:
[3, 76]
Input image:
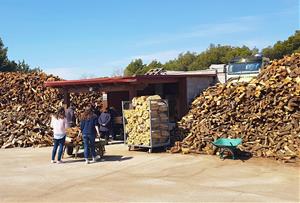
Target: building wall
[195, 85]
[220, 70]
[222, 77]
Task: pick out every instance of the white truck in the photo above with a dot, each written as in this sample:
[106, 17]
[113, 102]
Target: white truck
[240, 69]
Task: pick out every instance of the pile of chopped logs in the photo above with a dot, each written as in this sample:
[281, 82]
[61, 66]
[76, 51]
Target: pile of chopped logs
[265, 113]
[25, 108]
[72, 135]
[82, 100]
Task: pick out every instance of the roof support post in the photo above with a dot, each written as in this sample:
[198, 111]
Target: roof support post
[66, 97]
[104, 100]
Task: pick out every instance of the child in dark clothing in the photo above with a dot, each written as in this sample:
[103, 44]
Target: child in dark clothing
[104, 122]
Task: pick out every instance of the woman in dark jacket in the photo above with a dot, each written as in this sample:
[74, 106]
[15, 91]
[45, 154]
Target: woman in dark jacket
[104, 122]
[89, 128]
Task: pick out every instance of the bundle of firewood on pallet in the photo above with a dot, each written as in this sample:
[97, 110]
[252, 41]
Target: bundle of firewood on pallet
[138, 123]
[26, 105]
[265, 113]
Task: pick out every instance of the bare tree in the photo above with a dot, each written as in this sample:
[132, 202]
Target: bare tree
[87, 76]
[117, 72]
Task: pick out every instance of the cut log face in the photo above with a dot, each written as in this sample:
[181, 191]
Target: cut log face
[26, 105]
[265, 113]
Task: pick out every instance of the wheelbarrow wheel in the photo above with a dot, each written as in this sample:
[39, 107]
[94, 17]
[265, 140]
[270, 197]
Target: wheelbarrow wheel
[225, 152]
[70, 150]
[100, 148]
[101, 152]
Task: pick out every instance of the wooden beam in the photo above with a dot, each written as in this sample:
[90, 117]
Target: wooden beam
[158, 81]
[66, 97]
[104, 100]
[107, 88]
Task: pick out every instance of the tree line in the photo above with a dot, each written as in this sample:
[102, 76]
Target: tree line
[7, 65]
[215, 54]
[188, 61]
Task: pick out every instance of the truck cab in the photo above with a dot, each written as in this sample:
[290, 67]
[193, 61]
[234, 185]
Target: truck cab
[244, 69]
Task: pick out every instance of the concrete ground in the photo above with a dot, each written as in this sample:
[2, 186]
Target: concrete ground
[28, 175]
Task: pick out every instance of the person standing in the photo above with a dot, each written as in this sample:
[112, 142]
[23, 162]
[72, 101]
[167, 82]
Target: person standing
[95, 109]
[104, 122]
[89, 128]
[70, 116]
[113, 114]
[59, 125]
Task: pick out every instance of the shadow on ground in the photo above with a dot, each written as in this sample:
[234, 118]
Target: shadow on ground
[240, 155]
[80, 158]
[116, 158]
[146, 149]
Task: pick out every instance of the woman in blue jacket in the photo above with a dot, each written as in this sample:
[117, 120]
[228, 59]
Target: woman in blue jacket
[89, 128]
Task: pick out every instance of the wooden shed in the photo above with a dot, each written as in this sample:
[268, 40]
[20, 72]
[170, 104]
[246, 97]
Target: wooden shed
[178, 88]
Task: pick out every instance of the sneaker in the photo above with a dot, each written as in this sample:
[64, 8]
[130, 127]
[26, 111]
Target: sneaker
[87, 161]
[53, 162]
[94, 160]
[60, 162]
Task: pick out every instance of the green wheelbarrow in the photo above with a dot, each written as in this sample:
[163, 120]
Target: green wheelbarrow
[227, 145]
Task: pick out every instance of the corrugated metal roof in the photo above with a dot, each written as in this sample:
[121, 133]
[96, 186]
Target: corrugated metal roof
[188, 73]
[156, 71]
[91, 81]
[130, 80]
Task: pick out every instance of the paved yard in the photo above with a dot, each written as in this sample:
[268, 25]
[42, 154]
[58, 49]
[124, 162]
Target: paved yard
[27, 175]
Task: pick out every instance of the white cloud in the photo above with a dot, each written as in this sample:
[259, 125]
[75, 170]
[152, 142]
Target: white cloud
[161, 56]
[73, 73]
[65, 73]
[240, 25]
[258, 43]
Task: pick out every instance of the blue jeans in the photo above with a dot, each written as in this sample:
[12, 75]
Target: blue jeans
[60, 143]
[89, 145]
[112, 131]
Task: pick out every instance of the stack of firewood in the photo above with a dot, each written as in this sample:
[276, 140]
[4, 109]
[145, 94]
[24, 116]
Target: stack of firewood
[26, 105]
[265, 113]
[147, 117]
[83, 100]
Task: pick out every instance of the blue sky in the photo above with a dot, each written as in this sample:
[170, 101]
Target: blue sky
[77, 38]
